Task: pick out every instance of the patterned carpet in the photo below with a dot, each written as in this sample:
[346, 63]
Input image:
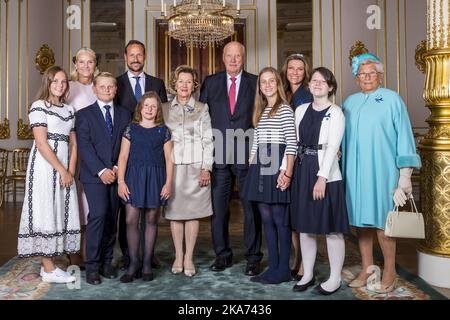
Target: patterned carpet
[19, 280]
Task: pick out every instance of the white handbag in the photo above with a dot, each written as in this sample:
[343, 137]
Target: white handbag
[404, 224]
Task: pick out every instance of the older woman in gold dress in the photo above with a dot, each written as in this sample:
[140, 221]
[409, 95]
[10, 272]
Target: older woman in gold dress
[190, 124]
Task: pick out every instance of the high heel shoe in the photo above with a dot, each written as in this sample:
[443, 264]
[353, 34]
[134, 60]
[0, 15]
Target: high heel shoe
[177, 269]
[189, 272]
[386, 289]
[356, 283]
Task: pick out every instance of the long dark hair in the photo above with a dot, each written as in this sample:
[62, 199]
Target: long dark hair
[283, 73]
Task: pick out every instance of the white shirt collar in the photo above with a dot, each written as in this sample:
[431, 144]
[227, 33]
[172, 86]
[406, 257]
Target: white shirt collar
[131, 75]
[102, 104]
[238, 77]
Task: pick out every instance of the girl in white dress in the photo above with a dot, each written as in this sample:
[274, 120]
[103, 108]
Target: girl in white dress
[50, 223]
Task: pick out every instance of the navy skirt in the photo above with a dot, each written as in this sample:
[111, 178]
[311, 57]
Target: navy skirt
[325, 216]
[145, 184]
[261, 181]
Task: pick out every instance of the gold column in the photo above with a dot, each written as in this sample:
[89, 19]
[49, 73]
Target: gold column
[435, 147]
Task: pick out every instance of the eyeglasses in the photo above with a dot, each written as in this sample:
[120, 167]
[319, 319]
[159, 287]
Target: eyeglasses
[319, 82]
[364, 75]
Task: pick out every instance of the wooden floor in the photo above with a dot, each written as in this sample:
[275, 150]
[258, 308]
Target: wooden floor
[10, 219]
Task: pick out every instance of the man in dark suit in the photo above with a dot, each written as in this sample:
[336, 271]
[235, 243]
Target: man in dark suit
[99, 132]
[135, 82]
[130, 87]
[230, 96]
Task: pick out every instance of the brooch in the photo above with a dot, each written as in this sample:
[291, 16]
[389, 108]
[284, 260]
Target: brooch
[327, 116]
[189, 109]
[379, 98]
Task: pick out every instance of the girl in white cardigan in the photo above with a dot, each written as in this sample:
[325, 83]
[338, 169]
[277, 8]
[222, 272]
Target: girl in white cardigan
[317, 192]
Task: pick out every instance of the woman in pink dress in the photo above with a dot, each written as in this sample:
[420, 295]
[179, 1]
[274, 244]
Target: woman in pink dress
[81, 96]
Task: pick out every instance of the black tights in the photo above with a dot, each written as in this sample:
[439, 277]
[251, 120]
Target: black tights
[278, 241]
[133, 237]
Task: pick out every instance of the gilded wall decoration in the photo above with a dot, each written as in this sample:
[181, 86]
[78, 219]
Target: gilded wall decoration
[421, 49]
[45, 58]
[435, 198]
[5, 132]
[24, 131]
[436, 132]
[358, 48]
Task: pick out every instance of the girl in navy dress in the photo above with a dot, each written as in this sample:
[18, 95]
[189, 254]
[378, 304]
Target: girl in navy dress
[274, 138]
[318, 200]
[144, 178]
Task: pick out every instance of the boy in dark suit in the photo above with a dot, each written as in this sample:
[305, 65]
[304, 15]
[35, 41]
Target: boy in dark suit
[99, 132]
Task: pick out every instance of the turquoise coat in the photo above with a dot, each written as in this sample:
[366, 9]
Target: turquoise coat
[378, 141]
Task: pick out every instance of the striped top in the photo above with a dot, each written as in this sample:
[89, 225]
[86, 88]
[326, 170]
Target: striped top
[279, 129]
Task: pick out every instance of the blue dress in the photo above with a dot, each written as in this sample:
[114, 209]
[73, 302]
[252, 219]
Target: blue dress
[300, 96]
[146, 167]
[378, 141]
[308, 215]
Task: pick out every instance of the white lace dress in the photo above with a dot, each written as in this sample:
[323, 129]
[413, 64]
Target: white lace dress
[50, 223]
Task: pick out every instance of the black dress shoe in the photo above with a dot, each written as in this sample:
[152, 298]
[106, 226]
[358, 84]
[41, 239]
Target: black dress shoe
[108, 271]
[126, 278]
[220, 264]
[147, 276]
[252, 269]
[324, 292]
[303, 287]
[297, 277]
[93, 278]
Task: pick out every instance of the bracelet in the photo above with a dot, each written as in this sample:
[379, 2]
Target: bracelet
[121, 181]
[290, 177]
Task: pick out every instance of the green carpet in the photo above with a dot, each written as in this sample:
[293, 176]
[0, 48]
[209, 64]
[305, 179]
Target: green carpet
[19, 279]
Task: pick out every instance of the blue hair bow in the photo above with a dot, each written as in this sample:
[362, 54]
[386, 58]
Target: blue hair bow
[356, 61]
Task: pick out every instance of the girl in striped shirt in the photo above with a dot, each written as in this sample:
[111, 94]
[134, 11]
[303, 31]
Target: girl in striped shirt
[267, 186]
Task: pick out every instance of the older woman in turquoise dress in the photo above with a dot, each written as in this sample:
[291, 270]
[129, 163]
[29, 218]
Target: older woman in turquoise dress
[378, 157]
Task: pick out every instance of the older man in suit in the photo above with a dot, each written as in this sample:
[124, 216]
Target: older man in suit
[130, 87]
[99, 133]
[230, 96]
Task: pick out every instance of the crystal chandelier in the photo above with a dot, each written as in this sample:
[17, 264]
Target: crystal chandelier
[199, 23]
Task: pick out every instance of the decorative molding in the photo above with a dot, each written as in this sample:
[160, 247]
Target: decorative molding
[24, 132]
[45, 58]
[421, 49]
[358, 48]
[5, 132]
[435, 193]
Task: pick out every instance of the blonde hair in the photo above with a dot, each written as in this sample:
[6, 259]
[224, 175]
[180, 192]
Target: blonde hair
[83, 50]
[261, 100]
[183, 69]
[137, 116]
[104, 74]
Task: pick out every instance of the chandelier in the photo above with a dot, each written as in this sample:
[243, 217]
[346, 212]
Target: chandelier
[199, 23]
